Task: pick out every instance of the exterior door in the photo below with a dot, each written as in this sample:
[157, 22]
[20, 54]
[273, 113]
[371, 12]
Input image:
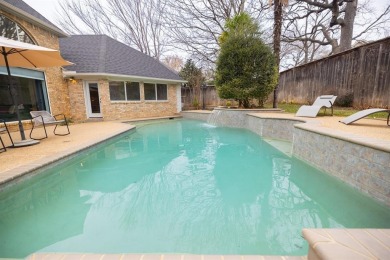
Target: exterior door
[92, 99]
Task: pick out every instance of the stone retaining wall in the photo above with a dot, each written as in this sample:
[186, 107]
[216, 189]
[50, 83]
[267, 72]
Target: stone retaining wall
[196, 115]
[275, 128]
[365, 168]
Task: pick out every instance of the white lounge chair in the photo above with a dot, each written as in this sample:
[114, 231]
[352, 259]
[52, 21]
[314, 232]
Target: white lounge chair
[359, 115]
[44, 118]
[326, 101]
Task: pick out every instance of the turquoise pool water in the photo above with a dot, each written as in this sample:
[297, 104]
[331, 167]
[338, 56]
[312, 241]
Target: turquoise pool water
[181, 186]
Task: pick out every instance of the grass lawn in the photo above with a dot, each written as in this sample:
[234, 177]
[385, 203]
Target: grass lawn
[337, 111]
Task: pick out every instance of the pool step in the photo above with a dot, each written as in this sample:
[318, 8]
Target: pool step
[281, 145]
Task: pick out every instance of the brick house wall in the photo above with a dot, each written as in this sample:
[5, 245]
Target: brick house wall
[56, 85]
[77, 101]
[114, 110]
[120, 110]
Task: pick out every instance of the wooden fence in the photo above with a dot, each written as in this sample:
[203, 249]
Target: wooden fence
[360, 76]
[211, 98]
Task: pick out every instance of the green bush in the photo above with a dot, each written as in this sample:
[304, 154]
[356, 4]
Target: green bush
[344, 100]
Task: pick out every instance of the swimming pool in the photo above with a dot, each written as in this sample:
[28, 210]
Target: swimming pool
[181, 186]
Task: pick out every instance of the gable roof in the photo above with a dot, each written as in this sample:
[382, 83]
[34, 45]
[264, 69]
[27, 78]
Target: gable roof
[21, 9]
[102, 55]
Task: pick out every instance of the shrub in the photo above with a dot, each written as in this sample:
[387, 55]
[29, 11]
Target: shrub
[344, 100]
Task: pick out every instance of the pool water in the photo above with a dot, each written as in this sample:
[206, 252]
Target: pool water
[182, 187]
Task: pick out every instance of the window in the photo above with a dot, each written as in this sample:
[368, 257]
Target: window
[31, 95]
[132, 91]
[150, 91]
[117, 90]
[124, 91]
[11, 30]
[162, 93]
[155, 91]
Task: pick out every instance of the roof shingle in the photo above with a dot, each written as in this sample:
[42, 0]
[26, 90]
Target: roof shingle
[102, 54]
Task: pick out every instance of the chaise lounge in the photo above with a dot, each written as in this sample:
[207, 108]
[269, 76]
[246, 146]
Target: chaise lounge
[361, 114]
[44, 118]
[326, 101]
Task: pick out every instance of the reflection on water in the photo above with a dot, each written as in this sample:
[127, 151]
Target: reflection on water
[182, 187]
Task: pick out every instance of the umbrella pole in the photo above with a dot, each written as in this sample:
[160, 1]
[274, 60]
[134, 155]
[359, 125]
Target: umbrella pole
[21, 129]
[23, 142]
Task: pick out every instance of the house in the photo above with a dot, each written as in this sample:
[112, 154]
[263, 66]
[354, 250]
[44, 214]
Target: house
[112, 80]
[108, 80]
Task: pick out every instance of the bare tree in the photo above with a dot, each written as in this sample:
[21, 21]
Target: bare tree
[194, 26]
[316, 27]
[343, 13]
[278, 21]
[136, 23]
[302, 41]
[173, 62]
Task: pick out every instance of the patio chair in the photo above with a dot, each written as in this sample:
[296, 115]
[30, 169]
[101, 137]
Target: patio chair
[44, 118]
[3, 130]
[326, 101]
[359, 115]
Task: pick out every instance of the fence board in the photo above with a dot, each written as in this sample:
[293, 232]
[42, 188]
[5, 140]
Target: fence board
[362, 72]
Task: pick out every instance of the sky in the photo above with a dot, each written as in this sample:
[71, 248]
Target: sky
[48, 7]
[45, 7]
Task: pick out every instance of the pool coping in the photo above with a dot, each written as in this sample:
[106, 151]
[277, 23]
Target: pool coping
[315, 127]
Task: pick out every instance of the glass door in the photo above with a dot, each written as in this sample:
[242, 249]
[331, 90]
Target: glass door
[92, 99]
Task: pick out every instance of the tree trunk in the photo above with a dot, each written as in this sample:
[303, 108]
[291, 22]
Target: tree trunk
[347, 27]
[278, 9]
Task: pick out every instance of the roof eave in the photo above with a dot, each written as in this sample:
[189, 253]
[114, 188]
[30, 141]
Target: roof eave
[29, 18]
[108, 76]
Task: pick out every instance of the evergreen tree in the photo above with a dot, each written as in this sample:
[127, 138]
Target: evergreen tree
[195, 78]
[246, 68]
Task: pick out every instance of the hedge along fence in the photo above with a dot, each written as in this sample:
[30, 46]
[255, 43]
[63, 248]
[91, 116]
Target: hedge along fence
[359, 77]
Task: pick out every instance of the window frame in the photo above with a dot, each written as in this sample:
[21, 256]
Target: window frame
[125, 91]
[156, 93]
[18, 29]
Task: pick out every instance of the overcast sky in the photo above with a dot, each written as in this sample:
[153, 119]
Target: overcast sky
[48, 7]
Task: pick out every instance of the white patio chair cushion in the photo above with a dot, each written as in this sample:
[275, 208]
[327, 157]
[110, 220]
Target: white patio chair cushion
[37, 117]
[312, 111]
[359, 115]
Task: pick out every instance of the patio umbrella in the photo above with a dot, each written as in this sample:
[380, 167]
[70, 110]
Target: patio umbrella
[20, 54]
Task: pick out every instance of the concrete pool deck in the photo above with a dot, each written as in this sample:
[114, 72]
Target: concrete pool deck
[18, 161]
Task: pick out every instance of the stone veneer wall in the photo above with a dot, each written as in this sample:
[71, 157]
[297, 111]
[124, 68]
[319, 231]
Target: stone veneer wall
[276, 128]
[234, 117]
[56, 85]
[204, 116]
[363, 167]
